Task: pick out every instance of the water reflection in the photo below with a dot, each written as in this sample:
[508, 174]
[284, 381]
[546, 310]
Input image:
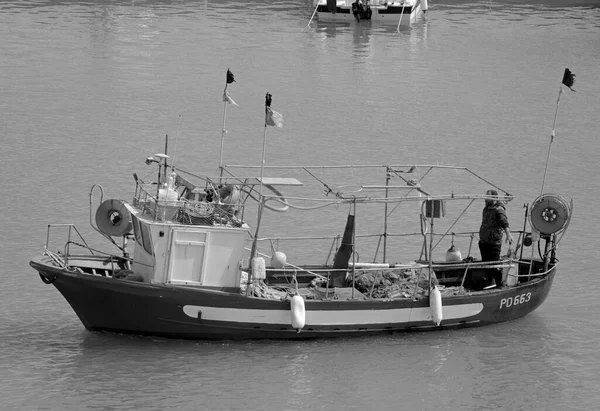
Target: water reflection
[361, 35]
[330, 30]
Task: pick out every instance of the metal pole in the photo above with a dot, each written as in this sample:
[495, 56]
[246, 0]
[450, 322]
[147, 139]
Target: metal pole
[551, 137]
[385, 222]
[261, 201]
[431, 248]
[526, 205]
[264, 149]
[223, 132]
[353, 249]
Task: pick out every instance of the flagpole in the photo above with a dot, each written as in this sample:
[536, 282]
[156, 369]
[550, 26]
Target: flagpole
[229, 78]
[261, 201]
[264, 150]
[560, 91]
[223, 132]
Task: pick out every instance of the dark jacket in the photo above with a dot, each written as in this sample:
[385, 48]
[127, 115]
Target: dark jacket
[493, 223]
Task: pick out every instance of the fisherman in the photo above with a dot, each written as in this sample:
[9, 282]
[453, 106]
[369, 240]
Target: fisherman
[357, 9]
[494, 224]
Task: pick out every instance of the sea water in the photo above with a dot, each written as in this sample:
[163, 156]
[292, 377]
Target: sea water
[89, 89]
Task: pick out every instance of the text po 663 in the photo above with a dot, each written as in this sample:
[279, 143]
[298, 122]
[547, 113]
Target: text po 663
[516, 300]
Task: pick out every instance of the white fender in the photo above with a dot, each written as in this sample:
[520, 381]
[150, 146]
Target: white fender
[298, 312]
[258, 268]
[435, 304]
[424, 6]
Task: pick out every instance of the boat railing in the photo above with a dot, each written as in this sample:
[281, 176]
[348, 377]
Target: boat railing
[186, 211]
[515, 269]
[74, 238]
[71, 230]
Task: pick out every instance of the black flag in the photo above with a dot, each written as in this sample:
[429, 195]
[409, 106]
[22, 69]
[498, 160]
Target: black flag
[568, 79]
[230, 78]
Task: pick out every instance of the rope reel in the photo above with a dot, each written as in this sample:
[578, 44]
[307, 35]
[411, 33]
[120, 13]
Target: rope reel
[113, 218]
[549, 214]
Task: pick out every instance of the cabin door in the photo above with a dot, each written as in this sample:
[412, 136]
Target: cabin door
[188, 257]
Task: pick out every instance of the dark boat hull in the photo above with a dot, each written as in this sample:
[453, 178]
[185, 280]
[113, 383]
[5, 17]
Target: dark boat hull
[105, 303]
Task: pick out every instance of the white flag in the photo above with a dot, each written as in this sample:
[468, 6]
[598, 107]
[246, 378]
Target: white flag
[227, 98]
[274, 118]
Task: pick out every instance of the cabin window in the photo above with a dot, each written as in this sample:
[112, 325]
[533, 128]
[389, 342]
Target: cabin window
[146, 237]
[137, 231]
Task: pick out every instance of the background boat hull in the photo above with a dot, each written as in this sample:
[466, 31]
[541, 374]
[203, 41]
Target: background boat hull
[388, 16]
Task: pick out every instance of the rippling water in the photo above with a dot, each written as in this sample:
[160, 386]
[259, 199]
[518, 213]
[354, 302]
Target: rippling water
[89, 89]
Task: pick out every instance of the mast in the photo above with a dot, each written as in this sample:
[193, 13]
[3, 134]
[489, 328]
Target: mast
[261, 202]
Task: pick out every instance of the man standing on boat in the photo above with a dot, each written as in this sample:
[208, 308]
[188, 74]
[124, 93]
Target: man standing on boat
[494, 224]
[357, 9]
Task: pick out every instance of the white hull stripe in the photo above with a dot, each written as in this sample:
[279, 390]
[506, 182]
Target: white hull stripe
[341, 317]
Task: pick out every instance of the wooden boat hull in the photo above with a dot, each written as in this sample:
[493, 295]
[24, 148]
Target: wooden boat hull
[105, 303]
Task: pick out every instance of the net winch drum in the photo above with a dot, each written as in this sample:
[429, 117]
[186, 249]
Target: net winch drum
[113, 218]
[549, 214]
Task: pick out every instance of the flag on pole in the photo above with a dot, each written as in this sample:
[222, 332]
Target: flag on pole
[230, 78]
[274, 118]
[568, 79]
[227, 98]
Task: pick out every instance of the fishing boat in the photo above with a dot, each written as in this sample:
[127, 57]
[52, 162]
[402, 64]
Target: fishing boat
[333, 250]
[396, 12]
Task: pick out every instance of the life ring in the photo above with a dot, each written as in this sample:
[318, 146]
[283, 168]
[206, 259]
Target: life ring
[549, 214]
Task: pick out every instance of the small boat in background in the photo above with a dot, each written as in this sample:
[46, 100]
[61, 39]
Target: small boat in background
[394, 12]
[198, 270]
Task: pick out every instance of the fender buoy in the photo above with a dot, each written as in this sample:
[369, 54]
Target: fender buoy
[550, 213]
[435, 304]
[298, 312]
[278, 259]
[453, 254]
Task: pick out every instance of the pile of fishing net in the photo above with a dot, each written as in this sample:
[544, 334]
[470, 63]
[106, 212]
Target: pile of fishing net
[401, 283]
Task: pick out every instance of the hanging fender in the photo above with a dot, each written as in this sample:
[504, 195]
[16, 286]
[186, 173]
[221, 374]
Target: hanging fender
[298, 312]
[435, 304]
